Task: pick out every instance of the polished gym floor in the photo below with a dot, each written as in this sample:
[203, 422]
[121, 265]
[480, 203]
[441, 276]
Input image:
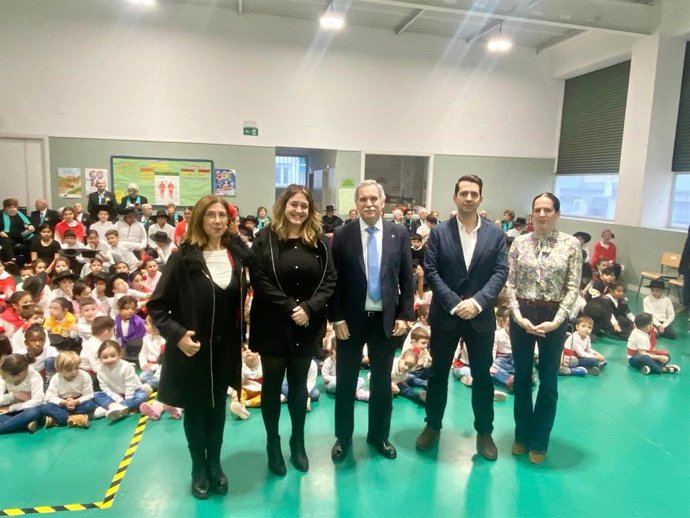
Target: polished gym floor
[620, 448]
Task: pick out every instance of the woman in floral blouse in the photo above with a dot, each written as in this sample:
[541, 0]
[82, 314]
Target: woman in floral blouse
[543, 282]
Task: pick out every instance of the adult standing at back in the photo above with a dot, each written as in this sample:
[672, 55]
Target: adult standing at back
[101, 198]
[197, 307]
[466, 266]
[293, 278]
[372, 303]
[543, 285]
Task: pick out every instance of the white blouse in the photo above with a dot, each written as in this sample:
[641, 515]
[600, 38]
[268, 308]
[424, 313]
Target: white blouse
[219, 266]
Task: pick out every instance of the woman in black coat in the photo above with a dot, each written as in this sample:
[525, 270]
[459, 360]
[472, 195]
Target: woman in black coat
[293, 277]
[197, 307]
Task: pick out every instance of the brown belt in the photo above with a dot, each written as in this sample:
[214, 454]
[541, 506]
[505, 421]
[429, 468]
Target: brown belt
[551, 304]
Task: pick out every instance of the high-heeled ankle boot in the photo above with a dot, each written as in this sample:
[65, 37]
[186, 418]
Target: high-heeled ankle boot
[217, 479]
[276, 462]
[298, 455]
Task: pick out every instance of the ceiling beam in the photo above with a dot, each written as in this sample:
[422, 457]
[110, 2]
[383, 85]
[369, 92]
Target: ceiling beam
[615, 17]
[555, 42]
[483, 31]
[408, 21]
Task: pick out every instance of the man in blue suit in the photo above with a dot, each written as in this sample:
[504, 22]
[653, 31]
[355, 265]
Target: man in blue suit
[466, 266]
[372, 302]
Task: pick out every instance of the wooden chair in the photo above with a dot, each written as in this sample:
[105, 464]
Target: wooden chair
[677, 283]
[668, 260]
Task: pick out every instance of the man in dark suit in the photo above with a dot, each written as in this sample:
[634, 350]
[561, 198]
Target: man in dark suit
[43, 214]
[466, 266]
[372, 303]
[101, 198]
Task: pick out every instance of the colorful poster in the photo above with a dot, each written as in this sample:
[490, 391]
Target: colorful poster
[69, 182]
[92, 175]
[184, 181]
[225, 182]
[167, 189]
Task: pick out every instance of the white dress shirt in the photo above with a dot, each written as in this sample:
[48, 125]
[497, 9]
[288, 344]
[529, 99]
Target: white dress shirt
[370, 305]
[469, 243]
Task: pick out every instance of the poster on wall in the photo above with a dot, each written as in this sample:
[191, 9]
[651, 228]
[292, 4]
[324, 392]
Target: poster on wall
[92, 176]
[225, 182]
[69, 182]
[167, 189]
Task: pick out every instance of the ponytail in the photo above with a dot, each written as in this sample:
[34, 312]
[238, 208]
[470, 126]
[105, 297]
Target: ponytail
[14, 364]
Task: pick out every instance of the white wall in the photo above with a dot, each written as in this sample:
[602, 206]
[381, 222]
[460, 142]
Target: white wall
[100, 68]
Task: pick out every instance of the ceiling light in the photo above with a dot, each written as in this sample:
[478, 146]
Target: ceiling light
[499, 43]
[332, 20]
[144, 3]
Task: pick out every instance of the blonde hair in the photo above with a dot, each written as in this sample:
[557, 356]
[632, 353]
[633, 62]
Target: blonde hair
[311, 228]
[195, 230]
[66, 360]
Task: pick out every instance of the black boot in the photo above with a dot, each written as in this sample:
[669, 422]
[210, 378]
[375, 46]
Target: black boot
[298, 455]
[276, 463]
[200, 482]
[217, 479]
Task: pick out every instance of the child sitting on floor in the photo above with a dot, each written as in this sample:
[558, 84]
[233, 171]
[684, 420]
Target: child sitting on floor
[402, 382]
[150, 356]
[22, 394]
[661, 308]
[502, 369]
[121, 390]
[577, 349]
[328, 371]
[69, 398]
[252, 381]
[641, 353]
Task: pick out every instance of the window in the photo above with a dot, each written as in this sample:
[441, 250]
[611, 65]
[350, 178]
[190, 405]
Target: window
[291, 169]
[681, 149]
[588, 196]
[592, 122]
[680, 203]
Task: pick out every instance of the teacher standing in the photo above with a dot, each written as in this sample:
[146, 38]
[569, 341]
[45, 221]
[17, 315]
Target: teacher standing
[292, 277]
[543, 282]
[197, 306]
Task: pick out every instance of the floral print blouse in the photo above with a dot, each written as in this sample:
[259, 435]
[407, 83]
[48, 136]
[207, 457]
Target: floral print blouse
[544, 268]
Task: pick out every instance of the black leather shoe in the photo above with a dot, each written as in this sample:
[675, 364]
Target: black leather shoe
[340, 448]
[218, 482]
[385, 448]
[298, 455]
[276, 462]
[200, 484]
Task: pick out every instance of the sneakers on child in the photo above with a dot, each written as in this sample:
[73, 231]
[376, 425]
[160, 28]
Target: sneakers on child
[116, 411]
[237, 409]
[78, 421]
[645, 369]
[32, 426]
[150, 410]
[672, 369]
[563, 371]
[50, 422]
[362, 395]
[466, 380]
[99, 413]
[500, 396]
[578, 371]
[175, 412]
[594, 371]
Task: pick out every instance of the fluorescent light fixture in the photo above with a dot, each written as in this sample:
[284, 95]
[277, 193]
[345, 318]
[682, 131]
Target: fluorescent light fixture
[332, 20]
[144, 3]
[499, 44]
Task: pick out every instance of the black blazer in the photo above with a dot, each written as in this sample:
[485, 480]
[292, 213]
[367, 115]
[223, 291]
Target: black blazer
[52, 218]
[93, 204]
[397, 278]
[450, 281]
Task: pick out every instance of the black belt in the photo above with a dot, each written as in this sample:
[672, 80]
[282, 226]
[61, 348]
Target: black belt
[551, 304]
[373, 314]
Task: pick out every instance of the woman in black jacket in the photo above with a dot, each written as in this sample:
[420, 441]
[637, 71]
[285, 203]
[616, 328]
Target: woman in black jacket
[293, 277]
[197, 306]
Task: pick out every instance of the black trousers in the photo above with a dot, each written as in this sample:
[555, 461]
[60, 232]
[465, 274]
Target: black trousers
[204, 429]
[274, 369]
[442, 348]
[381, 353]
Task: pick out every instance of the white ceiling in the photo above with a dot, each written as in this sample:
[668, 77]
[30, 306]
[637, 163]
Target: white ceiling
[532, 23]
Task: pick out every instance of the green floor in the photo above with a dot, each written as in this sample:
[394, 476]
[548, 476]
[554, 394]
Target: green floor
[620, 447]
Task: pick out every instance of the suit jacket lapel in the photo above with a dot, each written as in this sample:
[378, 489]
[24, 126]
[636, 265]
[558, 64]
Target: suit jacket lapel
[356, 240]
[387, 246]
[482, 236]
[454, 237]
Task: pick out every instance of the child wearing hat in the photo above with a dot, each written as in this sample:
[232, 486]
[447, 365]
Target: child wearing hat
[161, 225]
[162, 248]
[63, 283]
[659, 305]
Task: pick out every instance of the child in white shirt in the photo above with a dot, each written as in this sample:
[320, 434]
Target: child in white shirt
[69, 398]
[641, 355]
[252, 381]
[22, 396]
[577, 349]
[151, 350]
[102, 329]
[661, 309]
[328, 371]
[121, 390]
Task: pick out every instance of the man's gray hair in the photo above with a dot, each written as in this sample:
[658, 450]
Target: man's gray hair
[133, 186]
[364, 183]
